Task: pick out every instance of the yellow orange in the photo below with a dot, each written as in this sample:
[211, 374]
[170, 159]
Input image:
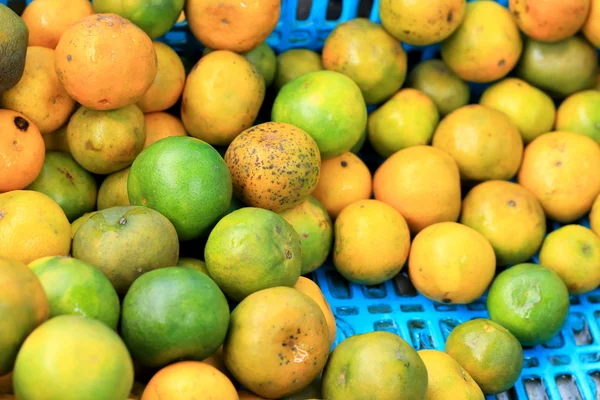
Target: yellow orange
[160, 125]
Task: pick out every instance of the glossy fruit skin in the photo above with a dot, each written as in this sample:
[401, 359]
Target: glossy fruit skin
[580, 113]
[335, 128]
[71, 357]
[489, 352]
[24, 306]
[173, 313]
[190, 171]
[529, 300]
[356, 355]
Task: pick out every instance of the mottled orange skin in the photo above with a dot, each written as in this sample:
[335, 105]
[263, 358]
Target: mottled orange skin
[22, 150]
[47, 20]
[550, 20]
[234, 25]
[160, 125]
[105, 62]
[168, 83]
[221, 98]
[273, 166]
[561, 170]
[189, 380]
[591, 27]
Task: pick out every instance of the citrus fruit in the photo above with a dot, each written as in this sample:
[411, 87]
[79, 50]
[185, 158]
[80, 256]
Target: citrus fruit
[22, 149]
[559, 169]
[209, 111]
[335, 127]
[343, 180]
[24, 307]
[155, 18]
[595, 216]
[160, 125]
[444, 87]
[580, 113]
[75, 225]
[216, 360]
[245, 395]
[422, 183]
[125, 242]
[350, 50]
[551, 66]
[359, 143]
[277, 343]
[47, 20]
[168, 82]
[447, 379]
[591, 26]
[310, 392]
[71, 357]
[486, 45]
[550, 21]
[273, 166]
[171, 314]
[451, 263]
[313, 225]
[57, 140]
[113, 190]
[13, 45]
[421, 24]
[408, 119]
[86, 56]
[73, 188]
[253, 249]
[294, 63]
[232, 25]
[32, 226]
[509, 216]
[573, 252]
[377, 364]
[484, 142]
[312, 290]
[190, 380]
[488, 352]
[75, 287]
[530, 109]
[192, 186]
[39, 95]
[371, 242]
[529, 300]
[104, 142]
[264, 60]
[193, 263]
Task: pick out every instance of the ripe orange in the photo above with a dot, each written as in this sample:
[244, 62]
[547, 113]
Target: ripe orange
[344, 180]
[21, 150]
[160, 125]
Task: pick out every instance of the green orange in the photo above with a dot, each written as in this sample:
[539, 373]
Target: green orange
[263, 58]
[113, 190]
[72, 358]
[580, 113]
[186, 180]
[328, 106]
[488, 352]
[253, 249]
[174, 313]
[193, 263]
[75, 287]
[294, 63]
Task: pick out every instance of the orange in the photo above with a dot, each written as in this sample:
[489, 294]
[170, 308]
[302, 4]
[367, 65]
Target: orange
[47, 20]
[580, 113]
[113, 190]
[486, 46]
[189, 380]
[595, 216]
[232, 24]
[168, 83]
[105, 62]
[160, 125]
[32, 226]
[371, 242]
[22, 150]
[484, 142]
[550, 20]
[39, 95]
[422, 183]
[312, 290]
[222, 96]
[344, 180]
[560, 169]
[57, 140]
[216, 358]
[451, 263]
[591, 27]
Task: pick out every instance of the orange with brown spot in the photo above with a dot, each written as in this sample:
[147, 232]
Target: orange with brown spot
[273, 166]
[105, 62]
